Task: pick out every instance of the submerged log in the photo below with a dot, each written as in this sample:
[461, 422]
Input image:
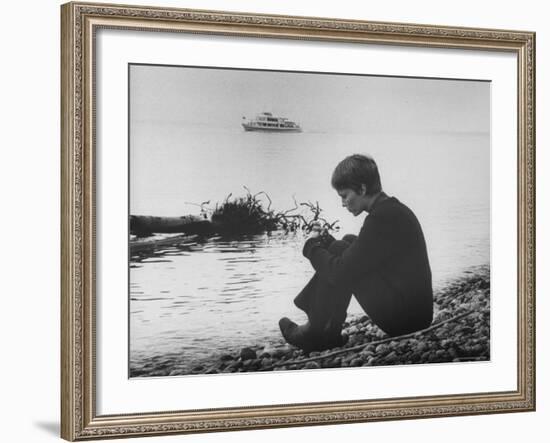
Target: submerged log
[143, 225]
[142, 246]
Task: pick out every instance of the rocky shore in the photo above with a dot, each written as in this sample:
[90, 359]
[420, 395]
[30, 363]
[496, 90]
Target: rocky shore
[460, 332]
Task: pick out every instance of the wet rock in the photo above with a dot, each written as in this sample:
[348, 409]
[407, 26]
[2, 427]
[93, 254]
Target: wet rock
[234, 366]
[355, 339]
[281, 352]
[251, 364]
[162, 365]
[365, 355]
[373, 361]
[248, 354]
[266, 362]
[227, 357]
[425, 356]
[477, 349]
[370, 348]
[348, 358]
[421, 347]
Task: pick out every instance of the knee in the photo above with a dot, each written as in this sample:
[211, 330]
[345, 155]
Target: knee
[349, 238]
[338, 247]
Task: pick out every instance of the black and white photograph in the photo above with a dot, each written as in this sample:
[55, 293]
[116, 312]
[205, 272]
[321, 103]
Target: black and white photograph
[286, 220]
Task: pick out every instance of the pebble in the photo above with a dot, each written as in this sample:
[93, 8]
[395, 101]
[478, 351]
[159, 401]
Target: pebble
[266, 362]
[248, 354]
[234, 366]
[366, 354]
[281, 352]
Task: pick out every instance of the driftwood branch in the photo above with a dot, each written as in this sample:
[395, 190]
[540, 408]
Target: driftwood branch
[374, 343]
[235, 215]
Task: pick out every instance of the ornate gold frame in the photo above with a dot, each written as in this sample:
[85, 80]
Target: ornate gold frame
[79, 420]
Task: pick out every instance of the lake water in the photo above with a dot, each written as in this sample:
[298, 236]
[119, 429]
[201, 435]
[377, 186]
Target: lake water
[223, 294]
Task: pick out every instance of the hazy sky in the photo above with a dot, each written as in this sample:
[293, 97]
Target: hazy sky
[319, 102]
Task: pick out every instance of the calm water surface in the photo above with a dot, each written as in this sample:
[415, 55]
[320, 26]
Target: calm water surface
[220, 294]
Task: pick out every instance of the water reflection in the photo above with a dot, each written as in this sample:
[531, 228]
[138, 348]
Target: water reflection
[204, 296]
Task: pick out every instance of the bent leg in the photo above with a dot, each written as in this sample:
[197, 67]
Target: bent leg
[326, 308]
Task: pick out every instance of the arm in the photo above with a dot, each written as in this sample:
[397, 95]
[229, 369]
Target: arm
[375, 243]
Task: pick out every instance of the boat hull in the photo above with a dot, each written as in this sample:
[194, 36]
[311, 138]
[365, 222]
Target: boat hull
[251, 128]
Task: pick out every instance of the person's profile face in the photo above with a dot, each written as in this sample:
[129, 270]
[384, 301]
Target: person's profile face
[352, 200]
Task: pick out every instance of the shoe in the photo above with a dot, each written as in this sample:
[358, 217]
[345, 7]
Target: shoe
[294, 334]
[303, 337]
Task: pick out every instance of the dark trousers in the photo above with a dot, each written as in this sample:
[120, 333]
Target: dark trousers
[326, 304]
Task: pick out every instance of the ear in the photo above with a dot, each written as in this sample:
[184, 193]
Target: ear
[363, 190]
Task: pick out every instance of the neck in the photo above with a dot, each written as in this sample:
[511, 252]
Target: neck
[374, 199]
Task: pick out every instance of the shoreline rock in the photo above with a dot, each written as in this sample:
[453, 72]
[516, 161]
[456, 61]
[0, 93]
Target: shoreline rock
[467, 339]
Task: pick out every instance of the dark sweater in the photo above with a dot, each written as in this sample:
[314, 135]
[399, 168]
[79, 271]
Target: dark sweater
[386, 268]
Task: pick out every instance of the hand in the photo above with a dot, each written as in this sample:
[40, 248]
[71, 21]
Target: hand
[314, 234]
[316, 231]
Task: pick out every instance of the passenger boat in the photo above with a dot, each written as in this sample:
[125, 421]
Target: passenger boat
[267, 122]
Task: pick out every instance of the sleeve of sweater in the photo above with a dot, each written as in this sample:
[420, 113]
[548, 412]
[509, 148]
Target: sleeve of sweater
[375, 243]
